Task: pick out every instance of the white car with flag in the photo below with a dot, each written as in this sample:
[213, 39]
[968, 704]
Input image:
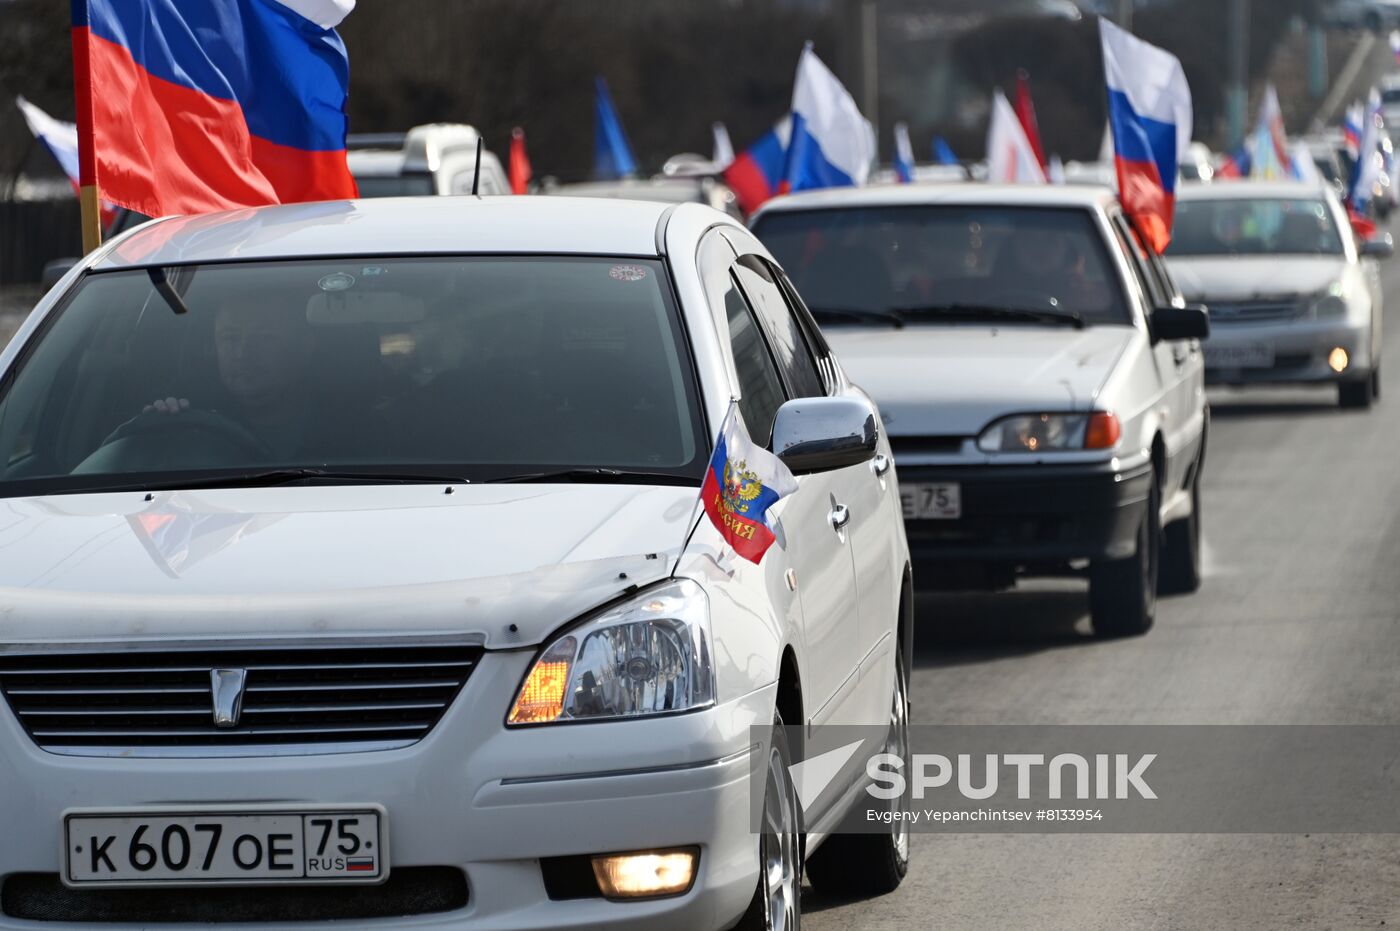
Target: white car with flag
[356, 567]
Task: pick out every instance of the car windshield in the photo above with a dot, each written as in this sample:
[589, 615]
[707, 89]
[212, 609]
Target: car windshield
[409, 185]
[479, 368]
[1254, 226]
[939, 263]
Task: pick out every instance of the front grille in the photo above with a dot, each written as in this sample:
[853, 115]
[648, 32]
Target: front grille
[421, 890]
[1228, 312]
[321, 698]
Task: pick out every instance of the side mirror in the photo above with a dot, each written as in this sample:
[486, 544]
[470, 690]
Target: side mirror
[1381, 247]
[1189, 322]
[820, 434]
[54, 270]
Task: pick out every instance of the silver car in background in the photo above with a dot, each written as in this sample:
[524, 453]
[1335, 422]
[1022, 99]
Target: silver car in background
[1292, 296]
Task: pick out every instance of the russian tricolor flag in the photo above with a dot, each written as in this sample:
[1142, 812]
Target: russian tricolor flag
[742, 482]
[1149, 110]
[189, 107]
[832, 144]
[757, 174]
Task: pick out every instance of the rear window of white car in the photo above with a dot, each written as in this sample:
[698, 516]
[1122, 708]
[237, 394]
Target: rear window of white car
[1254, 226]
[483, 367]
[920, 261]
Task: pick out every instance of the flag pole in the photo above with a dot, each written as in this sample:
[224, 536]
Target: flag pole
[89, 197]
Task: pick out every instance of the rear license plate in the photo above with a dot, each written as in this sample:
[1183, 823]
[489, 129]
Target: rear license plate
[1239, 356]
[238, 846]
[931, 500]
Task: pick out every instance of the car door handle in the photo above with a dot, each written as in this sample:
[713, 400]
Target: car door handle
[840, 517]
[880, 465]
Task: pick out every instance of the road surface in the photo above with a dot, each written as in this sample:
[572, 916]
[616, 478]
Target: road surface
[1297, 622]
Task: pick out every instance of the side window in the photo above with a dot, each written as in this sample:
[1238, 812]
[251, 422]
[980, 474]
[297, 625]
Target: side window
[1137, 261]
[790, 349]
[761, 392]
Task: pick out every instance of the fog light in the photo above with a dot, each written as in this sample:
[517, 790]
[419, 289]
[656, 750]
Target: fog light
[1338, 359]
[646, 873]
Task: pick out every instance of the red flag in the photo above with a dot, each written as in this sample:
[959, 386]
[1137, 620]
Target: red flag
[519, 163]
[1025, 112]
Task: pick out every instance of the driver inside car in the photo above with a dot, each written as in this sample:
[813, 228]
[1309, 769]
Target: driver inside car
[260, 353]
[1046, 263]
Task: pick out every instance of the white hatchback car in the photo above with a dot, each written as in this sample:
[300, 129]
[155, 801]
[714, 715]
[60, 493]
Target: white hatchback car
[1038, 371]
[351, 552]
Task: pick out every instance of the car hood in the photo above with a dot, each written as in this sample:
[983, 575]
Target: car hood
[500, 564]
[954, 380]
[1248, 278]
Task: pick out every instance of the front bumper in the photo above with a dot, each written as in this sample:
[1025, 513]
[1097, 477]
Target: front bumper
[472, 795]
[1300, 352]
[1032, 517]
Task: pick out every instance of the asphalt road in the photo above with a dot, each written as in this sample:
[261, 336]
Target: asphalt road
[1297, 622]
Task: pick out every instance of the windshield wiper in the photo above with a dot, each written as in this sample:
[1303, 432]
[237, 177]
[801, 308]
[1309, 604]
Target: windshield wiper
[598, 474]
[982, 312]
[893, 317]
[273, 477]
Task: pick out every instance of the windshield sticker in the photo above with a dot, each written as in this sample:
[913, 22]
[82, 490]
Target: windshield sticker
[627, 273]
[336, 281]
[373, 271]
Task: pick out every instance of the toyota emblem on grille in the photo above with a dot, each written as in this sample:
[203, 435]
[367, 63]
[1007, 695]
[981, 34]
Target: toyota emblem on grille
[226, 686]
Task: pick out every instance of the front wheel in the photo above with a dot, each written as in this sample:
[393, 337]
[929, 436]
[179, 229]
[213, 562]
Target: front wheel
[872, 864]
[777, 902]
[1123, 592]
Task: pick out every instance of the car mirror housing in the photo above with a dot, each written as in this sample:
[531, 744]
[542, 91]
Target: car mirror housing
[820, 434]
[1189, 322]
[1381, 247]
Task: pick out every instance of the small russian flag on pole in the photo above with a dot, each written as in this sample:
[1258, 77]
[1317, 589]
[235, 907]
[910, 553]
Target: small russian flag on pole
[742, 483]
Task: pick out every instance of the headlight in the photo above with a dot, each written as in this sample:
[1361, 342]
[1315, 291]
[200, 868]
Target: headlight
[649, 655]
[1329, 304]
[1041, 433]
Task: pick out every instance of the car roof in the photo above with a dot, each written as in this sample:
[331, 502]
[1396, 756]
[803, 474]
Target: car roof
[397, 226]
[667, 190]
[894, 195]
[1248, 190]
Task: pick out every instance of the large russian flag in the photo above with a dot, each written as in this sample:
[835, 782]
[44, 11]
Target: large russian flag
[1149, 111]
[742, 482]
[832, 145]
[189, 107]
[757, 174]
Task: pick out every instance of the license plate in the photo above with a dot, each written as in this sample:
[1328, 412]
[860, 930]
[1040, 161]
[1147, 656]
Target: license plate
[239, 846]
[931, 500]
[1239, 356]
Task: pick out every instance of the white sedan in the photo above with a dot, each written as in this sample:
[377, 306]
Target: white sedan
[352, 556]
[1039, 373]
[1293, 298]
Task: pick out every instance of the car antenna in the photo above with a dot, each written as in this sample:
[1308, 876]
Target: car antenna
[476, 175]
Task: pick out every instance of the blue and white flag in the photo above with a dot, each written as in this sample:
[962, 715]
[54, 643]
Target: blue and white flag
[832, 144]
[903, 153]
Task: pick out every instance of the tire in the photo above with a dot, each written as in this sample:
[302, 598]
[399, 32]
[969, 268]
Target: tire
[1376, 385]
[780, 908]
[1181, 548]
[1356, 395]
[1123, 592]
[864, 865]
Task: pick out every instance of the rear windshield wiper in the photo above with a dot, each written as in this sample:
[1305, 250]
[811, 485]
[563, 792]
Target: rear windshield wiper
[273, 477]
[599, 474]
[858, 314]
[982, 312]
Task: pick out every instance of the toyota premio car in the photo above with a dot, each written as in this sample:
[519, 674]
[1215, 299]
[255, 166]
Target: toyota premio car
[1038, 371]
[353, 570]
[1293, 298]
